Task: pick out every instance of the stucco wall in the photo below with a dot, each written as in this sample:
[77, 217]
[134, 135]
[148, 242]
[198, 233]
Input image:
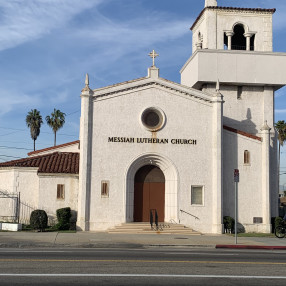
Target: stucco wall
[110, 161]
[247, 113]
[7, 182]
[48, 192]
[24, 181]
[250, 203]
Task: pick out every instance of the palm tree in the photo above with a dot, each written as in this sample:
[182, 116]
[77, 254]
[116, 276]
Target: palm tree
[34, 122]
[56, 121]
[280, 127]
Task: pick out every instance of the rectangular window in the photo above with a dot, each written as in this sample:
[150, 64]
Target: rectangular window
[246, 157]
[60, 192]
[197, 195]
[104, 188]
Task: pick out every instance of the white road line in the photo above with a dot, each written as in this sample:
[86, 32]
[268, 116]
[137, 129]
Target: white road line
[33, 251]
[209, 254]
[140, 275]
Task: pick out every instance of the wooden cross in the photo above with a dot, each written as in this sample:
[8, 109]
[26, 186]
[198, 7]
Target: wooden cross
[153, 55]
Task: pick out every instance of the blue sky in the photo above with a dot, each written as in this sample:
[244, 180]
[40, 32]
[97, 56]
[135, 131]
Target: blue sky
[47, 46]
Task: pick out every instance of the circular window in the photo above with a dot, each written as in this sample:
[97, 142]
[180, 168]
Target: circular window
[152, 118]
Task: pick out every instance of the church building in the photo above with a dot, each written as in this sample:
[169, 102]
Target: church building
[151, 145]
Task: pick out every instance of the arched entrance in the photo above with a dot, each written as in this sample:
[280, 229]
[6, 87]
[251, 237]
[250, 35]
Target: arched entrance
[171, 184]
[149, 193]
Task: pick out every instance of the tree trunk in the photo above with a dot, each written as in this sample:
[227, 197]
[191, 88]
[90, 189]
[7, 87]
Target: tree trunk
[279, 169]
[34, 144]
[55, 141]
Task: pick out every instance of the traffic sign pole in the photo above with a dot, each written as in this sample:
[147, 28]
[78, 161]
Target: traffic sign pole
[235, 216]
[236, 180]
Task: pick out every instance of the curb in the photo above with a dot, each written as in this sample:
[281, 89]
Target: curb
[182, 245]
[235, 246]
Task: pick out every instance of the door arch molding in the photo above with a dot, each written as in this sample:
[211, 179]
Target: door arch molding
[171, 184]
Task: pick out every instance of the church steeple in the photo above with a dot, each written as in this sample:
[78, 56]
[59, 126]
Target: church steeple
[209, 3]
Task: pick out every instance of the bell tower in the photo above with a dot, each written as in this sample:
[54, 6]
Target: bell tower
[233, 28]
[234, 45]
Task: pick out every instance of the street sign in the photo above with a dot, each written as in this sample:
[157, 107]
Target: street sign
[236, 175]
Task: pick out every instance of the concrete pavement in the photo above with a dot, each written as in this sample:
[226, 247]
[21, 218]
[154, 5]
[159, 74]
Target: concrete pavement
[104, 239]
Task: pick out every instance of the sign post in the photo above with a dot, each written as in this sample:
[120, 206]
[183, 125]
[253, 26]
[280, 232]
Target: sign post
[236, 180]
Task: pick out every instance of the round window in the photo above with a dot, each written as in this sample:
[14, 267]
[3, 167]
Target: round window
[152, 118]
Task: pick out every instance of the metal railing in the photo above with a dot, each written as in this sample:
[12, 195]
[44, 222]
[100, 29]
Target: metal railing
[239, 48]
[189, 214]
[157, 227]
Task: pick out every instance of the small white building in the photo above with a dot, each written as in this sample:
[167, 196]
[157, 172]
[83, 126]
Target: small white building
[152, 144]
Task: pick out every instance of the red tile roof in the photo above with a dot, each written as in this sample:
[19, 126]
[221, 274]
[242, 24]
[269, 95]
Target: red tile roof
[57, 162]
[242, 133]
[54, 147]
[232, 8]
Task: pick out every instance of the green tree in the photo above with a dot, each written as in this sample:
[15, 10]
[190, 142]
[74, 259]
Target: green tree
[34, 122]
[280, 127]
[56, 121]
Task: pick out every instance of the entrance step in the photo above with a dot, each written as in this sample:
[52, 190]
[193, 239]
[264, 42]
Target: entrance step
[145, 228]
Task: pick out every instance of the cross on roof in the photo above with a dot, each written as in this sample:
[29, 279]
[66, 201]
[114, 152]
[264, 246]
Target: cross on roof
[153, 55]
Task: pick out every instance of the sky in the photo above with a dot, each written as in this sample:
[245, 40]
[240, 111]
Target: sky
[47, 47]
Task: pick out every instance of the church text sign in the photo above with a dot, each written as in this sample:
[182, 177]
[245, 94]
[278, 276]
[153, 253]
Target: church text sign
[151, 140]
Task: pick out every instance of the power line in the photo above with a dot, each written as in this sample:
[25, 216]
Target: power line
[24, 130]
[72, 112]
[1, 155]
[18, 148]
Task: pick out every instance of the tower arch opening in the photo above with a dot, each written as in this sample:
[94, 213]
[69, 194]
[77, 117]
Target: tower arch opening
[238, 39]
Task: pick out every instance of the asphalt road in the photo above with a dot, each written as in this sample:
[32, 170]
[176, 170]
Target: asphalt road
[151, 266]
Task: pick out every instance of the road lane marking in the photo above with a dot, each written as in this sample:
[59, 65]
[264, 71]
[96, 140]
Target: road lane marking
[138, 275]
[143, 261]
[210, 254]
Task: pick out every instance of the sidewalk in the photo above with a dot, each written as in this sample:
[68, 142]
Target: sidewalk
[111, 240]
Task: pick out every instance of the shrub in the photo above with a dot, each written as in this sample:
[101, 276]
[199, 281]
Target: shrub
[63, 216]
[278, 221]
[39, 220]
[228, 223]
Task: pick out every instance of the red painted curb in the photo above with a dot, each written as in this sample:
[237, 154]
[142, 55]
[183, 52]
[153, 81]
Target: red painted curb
[250, 246]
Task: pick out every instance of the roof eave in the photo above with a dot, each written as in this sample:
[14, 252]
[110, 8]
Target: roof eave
[272, 11]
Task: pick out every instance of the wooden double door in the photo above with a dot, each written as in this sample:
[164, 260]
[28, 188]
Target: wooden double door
[149, 193]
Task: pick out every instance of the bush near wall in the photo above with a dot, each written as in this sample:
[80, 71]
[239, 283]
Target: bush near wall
[279, 221]
[39, 220]
[228, 223]
[63, 216]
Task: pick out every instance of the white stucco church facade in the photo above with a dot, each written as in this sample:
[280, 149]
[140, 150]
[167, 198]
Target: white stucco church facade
[154, 145]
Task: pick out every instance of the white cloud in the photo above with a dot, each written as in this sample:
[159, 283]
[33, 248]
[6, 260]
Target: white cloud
[12, 100]
[280, 111]
[23, 21]
[112, 40]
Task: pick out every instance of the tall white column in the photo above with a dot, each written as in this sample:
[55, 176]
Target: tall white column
[268, 114]
[248, 36]
[229, 36]
[85, 157]
[265, 184]
[217, 143]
